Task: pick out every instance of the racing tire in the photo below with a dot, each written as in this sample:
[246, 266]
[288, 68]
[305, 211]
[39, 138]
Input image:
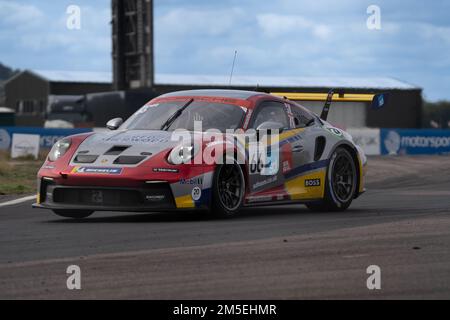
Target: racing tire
[340, 183]
[75, 214]
[228, 190]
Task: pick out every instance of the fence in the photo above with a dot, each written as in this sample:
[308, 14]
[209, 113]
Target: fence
[373, 141]
[48, 136]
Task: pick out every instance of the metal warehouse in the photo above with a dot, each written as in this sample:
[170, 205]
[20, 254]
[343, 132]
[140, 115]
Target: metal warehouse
[403, 109]
[29, 92]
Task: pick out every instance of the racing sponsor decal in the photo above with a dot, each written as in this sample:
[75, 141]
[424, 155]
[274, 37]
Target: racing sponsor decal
[290, 115]
[312, 182]
[259, 184]
[286, 151]
[48, 166]
[264, 198]
[196, 193]
[334, 131]
[143, 138]
[169, 170]
[286, 166]
[198, 180]
[247, 118]
[155, 197]
[146, 107]
[102, 170]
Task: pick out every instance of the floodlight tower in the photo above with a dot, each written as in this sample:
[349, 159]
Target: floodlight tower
[132, 44]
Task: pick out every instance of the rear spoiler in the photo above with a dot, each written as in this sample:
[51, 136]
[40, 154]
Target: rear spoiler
[377, 101]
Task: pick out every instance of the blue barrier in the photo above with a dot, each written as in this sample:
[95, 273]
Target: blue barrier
[414, 141]
[48, 135]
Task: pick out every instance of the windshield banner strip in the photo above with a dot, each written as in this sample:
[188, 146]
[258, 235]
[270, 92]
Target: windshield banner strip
[224, 100]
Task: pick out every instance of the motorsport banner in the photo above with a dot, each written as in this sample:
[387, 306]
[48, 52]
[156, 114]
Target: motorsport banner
[367, 139]
[48, 136]
[414, 141]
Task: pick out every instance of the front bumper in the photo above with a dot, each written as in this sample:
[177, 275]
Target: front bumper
[154, 196]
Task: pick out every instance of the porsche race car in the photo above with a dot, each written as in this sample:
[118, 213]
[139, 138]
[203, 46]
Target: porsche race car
[142, 164]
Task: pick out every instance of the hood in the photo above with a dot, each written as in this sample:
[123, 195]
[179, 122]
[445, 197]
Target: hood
[130, 147]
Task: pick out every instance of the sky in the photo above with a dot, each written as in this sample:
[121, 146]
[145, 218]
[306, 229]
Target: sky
[272, 37]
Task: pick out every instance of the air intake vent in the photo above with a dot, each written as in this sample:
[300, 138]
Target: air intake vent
[116, 150]
[85, 158]
[320, 146]
[128, 159]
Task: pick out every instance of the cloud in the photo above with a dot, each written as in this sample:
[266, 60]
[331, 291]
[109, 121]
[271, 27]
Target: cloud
[22, 16]
[282, 38]
[184, 21]
[275, 25]
[27, 31]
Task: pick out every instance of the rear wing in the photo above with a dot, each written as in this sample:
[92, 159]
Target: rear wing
[377, 101]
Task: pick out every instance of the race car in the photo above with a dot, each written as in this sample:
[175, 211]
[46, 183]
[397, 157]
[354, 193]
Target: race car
[142, 164]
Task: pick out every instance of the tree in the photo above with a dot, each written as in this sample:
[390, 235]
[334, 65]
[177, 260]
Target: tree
[5, 72]
[436, 115]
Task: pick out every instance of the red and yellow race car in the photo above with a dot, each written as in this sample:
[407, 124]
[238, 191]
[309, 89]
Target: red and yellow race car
[196, 150]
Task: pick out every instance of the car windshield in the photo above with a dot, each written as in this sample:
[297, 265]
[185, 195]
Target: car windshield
[212, 115]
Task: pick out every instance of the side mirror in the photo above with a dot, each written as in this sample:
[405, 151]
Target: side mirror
[114, 124]
[270, 125]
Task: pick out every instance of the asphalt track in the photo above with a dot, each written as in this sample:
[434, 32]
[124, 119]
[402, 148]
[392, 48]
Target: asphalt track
[402, 224]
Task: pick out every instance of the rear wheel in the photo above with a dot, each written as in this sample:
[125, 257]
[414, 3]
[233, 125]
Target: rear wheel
[75, 214]
[228, 190]
[340, 184]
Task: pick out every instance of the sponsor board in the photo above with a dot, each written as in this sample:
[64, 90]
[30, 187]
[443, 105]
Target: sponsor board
[367, 139]
[24, 145]
[47, 136]
[410, 141]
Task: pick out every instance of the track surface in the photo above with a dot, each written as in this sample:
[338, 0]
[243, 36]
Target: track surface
[402, 224]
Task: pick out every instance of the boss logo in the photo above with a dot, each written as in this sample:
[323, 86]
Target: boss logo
[312, 183]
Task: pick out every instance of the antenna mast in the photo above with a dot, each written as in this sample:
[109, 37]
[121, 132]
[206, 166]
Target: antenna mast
[232, 67]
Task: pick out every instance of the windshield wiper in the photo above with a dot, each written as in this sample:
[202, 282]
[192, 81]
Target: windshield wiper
[175, 115]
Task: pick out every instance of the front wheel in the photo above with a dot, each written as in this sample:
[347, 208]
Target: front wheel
[75, 214]
[228, 190]
[340, 184]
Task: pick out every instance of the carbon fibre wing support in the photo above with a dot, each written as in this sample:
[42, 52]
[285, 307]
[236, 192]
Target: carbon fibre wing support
[326, 106]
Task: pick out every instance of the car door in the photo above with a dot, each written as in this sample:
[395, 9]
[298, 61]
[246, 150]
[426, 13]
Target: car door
[262, 178]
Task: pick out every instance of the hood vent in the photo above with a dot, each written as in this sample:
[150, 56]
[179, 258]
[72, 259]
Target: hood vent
[116, 150]
[85, 158]
[129, 159]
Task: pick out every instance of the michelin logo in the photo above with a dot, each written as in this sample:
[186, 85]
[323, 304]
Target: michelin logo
[97, 170]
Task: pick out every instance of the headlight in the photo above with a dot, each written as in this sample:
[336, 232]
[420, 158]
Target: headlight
[182, 154]
[59, 149]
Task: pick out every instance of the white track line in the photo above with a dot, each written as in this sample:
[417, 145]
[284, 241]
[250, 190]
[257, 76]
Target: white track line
[16, 201]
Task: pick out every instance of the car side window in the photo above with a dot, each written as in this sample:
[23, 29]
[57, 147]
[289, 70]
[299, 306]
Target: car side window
[301, 116]
[271, 111]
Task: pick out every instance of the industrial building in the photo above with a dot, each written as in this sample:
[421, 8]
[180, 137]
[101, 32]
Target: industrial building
[29, 92]
[403, 109]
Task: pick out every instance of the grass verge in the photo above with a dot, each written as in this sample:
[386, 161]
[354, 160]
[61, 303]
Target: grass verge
[18, 176]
